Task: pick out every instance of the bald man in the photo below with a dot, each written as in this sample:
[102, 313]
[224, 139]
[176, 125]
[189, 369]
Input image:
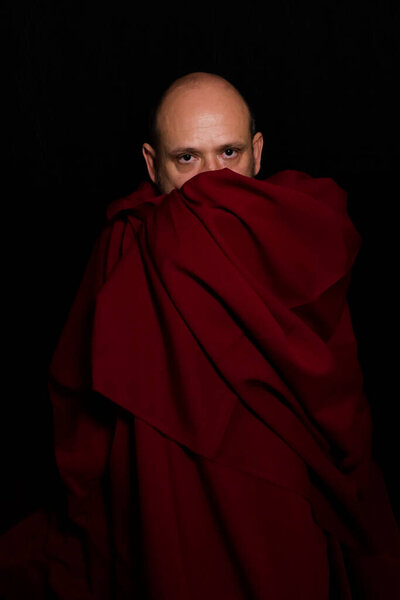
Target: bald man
[202, 123]
[210, 425]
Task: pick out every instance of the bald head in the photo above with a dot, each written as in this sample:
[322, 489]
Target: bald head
[202, 83]
[201, 123]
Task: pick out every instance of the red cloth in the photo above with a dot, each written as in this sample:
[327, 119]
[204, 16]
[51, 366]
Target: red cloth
[210, 421]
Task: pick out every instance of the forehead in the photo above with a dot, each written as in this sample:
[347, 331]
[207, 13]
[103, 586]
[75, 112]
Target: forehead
[196, 114]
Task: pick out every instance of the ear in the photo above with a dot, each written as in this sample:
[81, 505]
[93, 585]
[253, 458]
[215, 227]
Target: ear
[258, 142]
[150, 157]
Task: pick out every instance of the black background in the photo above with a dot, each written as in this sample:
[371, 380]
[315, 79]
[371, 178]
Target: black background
[79, 78]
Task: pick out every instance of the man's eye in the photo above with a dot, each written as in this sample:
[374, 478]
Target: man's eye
[185, 157]
[230, 151]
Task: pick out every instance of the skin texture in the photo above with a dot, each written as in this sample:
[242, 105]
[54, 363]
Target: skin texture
[203, 125]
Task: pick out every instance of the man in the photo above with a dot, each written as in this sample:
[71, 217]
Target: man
[210, 424]
[202, 123]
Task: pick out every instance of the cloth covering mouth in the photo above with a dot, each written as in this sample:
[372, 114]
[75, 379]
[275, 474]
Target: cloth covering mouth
[210, 425]
[229, 295]
[229, 260]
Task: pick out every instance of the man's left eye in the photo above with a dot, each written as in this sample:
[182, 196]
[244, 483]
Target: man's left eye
[229, 151]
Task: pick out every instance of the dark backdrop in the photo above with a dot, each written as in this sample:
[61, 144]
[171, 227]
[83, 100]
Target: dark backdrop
[321, 77]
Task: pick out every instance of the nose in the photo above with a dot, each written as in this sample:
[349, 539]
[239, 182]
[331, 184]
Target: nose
[211, 163]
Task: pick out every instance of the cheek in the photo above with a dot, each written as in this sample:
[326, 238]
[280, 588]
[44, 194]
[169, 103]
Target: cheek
[245, 165]
[174, 177]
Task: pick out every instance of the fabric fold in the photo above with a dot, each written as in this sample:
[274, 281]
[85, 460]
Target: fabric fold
[210, 423]
[234, 291]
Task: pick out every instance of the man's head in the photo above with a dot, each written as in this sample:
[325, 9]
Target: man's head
[202, 123]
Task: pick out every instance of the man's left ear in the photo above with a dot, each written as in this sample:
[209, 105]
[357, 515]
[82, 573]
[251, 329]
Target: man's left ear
[257, 143]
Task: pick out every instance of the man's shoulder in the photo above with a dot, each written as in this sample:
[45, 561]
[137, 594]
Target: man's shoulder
[295, 177]
[145, 192]
[323, 188]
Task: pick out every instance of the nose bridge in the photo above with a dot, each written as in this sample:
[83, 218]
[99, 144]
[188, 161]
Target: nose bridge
[211, 162]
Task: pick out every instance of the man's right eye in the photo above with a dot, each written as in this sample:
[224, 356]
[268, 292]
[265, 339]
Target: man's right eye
[184, 157]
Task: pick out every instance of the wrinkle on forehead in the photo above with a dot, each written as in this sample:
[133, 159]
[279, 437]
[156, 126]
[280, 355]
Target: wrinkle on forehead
[208, 131]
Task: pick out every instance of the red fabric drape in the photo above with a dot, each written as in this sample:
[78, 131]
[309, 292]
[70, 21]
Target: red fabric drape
[210, 422]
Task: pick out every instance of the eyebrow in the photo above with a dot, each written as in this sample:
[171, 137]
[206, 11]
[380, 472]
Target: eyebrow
[189, 150]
